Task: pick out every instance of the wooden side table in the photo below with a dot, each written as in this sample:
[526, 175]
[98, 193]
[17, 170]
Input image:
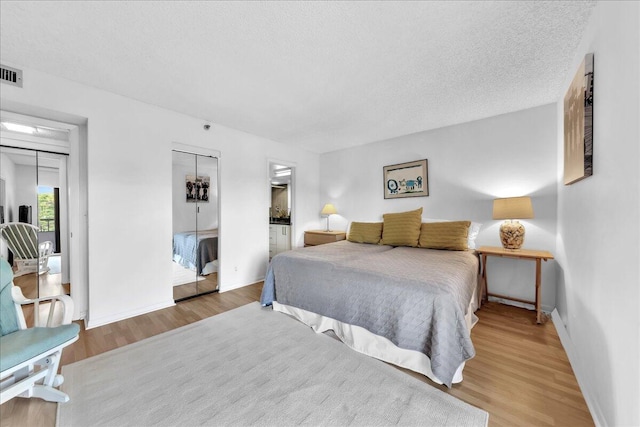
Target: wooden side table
[532, 255]
[320, 237]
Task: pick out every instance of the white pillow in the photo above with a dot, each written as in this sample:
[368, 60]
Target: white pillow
[474, 230]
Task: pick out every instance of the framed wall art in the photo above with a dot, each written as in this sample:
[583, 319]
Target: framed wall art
[406, 180]
[578, 124]
[197, 188]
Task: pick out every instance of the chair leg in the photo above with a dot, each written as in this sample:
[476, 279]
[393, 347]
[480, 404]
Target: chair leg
[46, 390]
[49, 394]
[51, 365]
[58, 380]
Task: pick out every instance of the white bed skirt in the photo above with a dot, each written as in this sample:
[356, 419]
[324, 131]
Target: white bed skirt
[374, 345]
[210, 267]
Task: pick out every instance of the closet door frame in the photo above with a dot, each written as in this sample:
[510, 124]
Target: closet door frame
[76, 191]
[206, 152]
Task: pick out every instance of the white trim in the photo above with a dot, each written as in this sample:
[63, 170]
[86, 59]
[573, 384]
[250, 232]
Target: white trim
[237, 286]
[94, 323]
[578, 370]
[33, 119]
[77, 194]
[35, 142]
[194, 149]
[545, 308]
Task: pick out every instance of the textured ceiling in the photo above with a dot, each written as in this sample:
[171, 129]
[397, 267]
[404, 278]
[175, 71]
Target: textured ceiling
[321, 75]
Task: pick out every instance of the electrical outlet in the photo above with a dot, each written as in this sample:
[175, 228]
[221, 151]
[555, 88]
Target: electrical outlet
[235, 268]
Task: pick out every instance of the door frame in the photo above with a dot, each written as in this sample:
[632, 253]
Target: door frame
[75, 186]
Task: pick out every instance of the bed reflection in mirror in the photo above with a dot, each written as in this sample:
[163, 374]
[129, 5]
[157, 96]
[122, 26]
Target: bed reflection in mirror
[195, 225]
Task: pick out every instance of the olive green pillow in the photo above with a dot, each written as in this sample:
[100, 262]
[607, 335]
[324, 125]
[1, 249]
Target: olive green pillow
[402, 229]
[451, 235]
[365, 232]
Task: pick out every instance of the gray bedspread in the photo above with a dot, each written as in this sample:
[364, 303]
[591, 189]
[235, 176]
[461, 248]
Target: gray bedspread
[416, 298]
[196, 248]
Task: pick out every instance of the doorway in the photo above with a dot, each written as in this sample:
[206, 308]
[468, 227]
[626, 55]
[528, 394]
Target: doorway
[60, 141]
[281, 196]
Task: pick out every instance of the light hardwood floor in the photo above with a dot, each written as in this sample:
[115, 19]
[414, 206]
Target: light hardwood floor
[520, 374]
[208, 283]
[43, 285]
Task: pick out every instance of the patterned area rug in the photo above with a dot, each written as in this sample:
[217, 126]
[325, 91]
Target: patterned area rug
[250, 366]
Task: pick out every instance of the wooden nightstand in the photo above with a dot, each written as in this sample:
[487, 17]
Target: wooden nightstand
[532, 255]
[320, 237]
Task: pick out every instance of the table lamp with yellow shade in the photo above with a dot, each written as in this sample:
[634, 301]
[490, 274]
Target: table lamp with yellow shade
[511, 209]
[328, 210]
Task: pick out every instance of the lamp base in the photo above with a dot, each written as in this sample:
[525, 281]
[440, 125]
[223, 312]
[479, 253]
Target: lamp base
[512, 234]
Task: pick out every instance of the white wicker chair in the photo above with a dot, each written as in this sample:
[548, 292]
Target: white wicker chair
[22, 240]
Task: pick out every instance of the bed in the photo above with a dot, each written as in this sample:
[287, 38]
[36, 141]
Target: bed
[409, 306]
[197, 251]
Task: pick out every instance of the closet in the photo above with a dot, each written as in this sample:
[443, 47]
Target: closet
[195, 189]
[33, 191]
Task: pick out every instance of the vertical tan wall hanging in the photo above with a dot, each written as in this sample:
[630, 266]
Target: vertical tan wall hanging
[578, 124]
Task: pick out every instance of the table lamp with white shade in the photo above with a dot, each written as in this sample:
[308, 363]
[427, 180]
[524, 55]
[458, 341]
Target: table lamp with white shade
[328, 210]
[511, 209]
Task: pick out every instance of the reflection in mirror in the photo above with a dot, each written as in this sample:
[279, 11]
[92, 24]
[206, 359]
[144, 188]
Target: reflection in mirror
[51, 221]
[19, 242]
[34, 235]
[195, 225]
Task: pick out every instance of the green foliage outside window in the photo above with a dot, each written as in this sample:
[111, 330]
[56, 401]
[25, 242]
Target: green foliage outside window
[46, 212]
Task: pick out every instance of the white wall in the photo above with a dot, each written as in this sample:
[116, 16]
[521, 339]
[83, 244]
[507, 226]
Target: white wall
[469, 165]
[129, 192]
[48, 177]
[598, 251]
[26, 190]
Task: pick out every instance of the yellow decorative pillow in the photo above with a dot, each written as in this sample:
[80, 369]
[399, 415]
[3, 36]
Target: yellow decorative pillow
[365, 232]
[402, 229]
[451, 235]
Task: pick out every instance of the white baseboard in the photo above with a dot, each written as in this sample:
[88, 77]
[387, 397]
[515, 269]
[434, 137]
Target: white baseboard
[578, 370]
[238, 286]
[94, 323]
[519, 304]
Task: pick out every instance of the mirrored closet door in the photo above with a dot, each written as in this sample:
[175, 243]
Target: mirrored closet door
[195, 225]
[33, 225]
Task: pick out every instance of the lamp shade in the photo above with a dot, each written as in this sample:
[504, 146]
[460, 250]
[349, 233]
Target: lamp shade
[328, 209]
[513, 208]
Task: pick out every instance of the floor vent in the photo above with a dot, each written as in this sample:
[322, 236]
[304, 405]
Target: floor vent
[10, 76]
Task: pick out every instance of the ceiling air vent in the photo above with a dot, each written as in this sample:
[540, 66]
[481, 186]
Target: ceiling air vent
[10, 76]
